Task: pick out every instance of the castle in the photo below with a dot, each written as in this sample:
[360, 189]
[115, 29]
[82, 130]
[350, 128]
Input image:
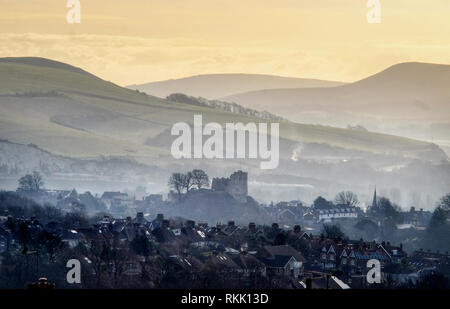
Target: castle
[235, 185]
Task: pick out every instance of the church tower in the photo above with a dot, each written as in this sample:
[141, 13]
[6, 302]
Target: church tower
[374, 202]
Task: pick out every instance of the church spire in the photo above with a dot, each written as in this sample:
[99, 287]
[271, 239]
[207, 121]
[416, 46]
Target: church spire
[374, 202]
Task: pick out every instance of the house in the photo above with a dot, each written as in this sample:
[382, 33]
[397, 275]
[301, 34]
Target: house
[396, 253]
[347, 258]
[129, 229]
[140, 220]
[417, 218]
[249, 264]
[163, 233]
[281, 260]
[116, 199]
[154, 199]
[350, 256]
[230, 228]
[287, 216]
[157, 222]
[191, 233]
[187, 264]
[224, 264]
[328, 257]
[298, 234]
[422, 258]
[309, 218]
[298, 239]
[251, 234]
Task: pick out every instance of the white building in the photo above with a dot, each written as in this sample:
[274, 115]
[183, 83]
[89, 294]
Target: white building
[327, 215]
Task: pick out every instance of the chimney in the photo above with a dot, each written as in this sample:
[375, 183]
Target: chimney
[190, 224]
[231, 223]
[252, 226]
[297, 229]
[128, 219]
[159, 217]
[140, 215]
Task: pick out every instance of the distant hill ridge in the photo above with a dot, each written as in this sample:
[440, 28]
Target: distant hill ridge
[411, 91]
[215, 86]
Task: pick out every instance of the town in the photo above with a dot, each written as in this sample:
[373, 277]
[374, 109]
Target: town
[149, 242]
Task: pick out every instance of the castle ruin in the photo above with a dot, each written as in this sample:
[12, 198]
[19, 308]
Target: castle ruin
[235, 185]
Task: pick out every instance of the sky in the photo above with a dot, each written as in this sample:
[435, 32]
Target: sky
[139, 41]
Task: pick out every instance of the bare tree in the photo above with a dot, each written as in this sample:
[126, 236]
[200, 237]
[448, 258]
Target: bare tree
[176, 182]
[200, 179]
[184, 182]
[347, 198]
[188, 181]
[31, 182]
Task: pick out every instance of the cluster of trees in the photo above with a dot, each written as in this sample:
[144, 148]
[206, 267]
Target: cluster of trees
[185, 182]
[31, 183]
[438, 229]
[18, 206]
[33, 94]
[388, 210]
[332, 231]
[30, 186]
[344, 198]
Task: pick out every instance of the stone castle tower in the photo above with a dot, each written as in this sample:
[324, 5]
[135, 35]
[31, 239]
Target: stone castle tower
[235, 185]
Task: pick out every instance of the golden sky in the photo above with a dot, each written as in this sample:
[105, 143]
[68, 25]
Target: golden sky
[137, 41]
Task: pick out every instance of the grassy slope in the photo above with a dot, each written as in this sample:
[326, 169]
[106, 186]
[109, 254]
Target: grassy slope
[97, 117]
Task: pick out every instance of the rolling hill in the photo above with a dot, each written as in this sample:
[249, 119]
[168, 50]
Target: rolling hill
[406, 92]
[214, 86]
[88, 128]
[68, 111]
